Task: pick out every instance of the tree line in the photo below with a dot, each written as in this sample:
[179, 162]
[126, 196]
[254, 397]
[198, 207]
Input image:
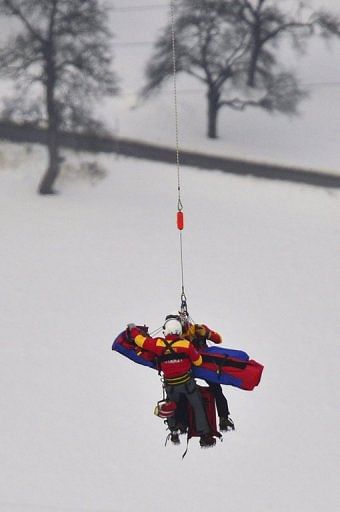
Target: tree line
[60, 58]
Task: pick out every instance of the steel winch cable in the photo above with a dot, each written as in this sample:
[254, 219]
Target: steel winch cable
[180, 213]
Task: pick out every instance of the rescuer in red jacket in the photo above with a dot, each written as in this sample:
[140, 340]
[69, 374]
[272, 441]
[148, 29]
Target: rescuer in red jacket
[175, 357]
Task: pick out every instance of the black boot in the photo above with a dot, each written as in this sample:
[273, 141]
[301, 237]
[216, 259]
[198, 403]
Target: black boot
[174, 437]
[207, 440]
[226, 424]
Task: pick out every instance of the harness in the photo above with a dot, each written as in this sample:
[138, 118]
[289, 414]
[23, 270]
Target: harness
[172, 355]
[183, 379]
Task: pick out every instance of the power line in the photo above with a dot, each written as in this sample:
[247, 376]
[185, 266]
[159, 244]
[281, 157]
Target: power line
[320, 84]
[181, 92]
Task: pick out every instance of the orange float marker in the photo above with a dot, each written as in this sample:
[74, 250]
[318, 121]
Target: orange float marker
[180, 220]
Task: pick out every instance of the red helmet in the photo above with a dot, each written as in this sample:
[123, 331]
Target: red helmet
[165, 409]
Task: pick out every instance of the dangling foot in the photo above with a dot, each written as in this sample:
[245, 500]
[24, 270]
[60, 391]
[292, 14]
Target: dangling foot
[226, 424]
[174, 437]
[207, 440]
[182, 428]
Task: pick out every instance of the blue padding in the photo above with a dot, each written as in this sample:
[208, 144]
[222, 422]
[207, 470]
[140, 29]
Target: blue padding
[225, 352]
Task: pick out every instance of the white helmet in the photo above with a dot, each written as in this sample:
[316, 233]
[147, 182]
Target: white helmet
[172, 325]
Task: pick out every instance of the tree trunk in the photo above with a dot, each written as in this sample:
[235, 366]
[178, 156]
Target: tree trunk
[213, 108]
[254, 56]
[251, 82]
[51, 174]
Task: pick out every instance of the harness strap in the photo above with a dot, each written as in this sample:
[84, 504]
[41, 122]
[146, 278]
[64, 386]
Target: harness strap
[224, 361]
[169, 345]
[175, 381]
[186, 450]
[173, 354]
[170, 357]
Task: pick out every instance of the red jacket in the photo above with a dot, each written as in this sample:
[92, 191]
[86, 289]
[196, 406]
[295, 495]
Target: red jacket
[170, 365]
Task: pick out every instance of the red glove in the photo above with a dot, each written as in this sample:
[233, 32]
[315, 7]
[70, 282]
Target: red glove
[214, 336]
[132, 331]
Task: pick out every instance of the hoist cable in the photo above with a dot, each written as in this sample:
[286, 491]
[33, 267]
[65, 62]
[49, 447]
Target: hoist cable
[180, 218]
[173, 44]
[182, 265]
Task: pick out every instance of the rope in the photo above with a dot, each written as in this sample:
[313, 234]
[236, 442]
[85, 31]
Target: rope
[179, 203]
[182, 265]
[155, 332]
[173, 43]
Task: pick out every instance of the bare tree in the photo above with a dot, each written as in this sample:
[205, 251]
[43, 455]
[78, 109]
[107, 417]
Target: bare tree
[268, 24]
[231, 46]
[60, 59]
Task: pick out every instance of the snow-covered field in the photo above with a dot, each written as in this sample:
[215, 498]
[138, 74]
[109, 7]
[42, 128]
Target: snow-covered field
[77, 430]
[261, 262]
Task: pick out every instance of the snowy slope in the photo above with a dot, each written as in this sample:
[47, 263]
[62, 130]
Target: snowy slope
[77, 430]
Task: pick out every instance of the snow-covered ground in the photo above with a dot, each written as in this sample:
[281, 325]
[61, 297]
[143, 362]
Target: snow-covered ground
[77, 430]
